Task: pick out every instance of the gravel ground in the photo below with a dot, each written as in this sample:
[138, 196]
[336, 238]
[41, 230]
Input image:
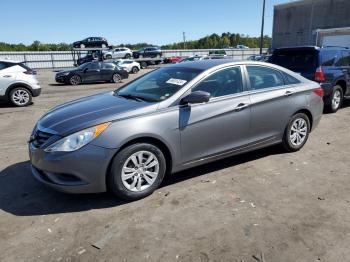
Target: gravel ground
[261, 206]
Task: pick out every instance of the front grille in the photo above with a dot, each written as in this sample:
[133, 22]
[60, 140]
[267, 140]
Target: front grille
[40, 138]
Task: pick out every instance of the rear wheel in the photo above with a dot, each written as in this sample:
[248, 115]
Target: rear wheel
[296, 132]
[75, 80]
[134, 70]
[116, 78]
[136, 171]
[335, 100]
[143, 65]
[127, 56]
[20, 96]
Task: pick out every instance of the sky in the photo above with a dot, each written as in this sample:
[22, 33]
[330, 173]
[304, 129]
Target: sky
[122, 21]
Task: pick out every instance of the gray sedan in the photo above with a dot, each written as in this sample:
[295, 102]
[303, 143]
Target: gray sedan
[171, 119]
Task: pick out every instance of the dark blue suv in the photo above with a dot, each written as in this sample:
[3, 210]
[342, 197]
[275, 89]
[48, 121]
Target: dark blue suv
[329, 66]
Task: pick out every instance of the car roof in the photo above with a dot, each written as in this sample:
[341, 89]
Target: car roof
[207, 64]
[10, 61]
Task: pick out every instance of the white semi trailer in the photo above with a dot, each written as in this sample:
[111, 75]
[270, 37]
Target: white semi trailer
[333, 37]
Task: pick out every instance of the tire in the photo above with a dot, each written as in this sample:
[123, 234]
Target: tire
[116, 78]
[75, 80]
[135, 70]
[127, 56]
[143, 65]
[130, 180]
[301, 123]
[20, 96]
[82, 46]
[335, 100]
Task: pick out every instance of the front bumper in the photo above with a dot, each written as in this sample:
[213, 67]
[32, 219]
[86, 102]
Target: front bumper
[61, 79]
[81, 171]
[36, 92]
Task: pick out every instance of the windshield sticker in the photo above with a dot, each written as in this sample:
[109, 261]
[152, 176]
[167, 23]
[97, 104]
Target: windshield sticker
[175, 81]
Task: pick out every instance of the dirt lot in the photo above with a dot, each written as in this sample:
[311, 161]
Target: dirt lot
[262, 206]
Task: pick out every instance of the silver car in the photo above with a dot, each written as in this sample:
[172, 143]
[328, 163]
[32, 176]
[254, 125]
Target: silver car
[171, 119]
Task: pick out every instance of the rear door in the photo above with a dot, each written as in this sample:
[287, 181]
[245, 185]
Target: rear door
[107, 71]
[344, 65]
[271, 103]
[222, 124]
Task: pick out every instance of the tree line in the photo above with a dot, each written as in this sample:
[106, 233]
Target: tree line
[225, 40]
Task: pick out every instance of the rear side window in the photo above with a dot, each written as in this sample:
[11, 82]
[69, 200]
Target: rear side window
[296, 60]
[344, 60]
[290, 80]
[328, 57]
[264, 77]
[107, 66]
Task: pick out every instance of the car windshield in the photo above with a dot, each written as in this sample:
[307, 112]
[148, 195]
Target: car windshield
[160, 84]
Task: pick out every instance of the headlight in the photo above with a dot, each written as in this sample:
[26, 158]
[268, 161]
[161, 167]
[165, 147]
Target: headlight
[63, 74]
[77, 140]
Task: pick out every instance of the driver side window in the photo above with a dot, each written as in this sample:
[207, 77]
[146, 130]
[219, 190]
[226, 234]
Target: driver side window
[222, 83]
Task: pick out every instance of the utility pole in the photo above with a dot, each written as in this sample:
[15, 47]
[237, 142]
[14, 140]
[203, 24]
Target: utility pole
[262, 28]
[184, 39]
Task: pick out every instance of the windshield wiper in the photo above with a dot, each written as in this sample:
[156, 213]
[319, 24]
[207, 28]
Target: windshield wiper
[130, 96]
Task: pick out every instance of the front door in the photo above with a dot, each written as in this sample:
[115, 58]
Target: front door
[222, 124]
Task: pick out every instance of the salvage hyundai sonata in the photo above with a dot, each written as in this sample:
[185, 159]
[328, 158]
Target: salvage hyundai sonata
[171, 119]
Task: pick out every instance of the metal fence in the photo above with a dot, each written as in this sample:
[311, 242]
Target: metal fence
[64, 59]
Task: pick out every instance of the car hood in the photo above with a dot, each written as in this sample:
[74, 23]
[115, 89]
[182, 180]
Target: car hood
[92, 110]
[65, 71]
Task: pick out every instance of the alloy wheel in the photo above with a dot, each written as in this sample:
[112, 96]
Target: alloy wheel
[116, 78]
[336, 100]
[140, 171]
[21, 97]
[75, 80]
[298, 132]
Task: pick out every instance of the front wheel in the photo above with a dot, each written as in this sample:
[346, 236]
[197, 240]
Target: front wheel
[137, 171]
[127, 56]
[75, 80]
[335, 100]
[296, 132]
[116, 78]
[20, 96]
[134, 70]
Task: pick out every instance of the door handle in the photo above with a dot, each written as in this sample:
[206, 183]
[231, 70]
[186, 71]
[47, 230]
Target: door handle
[241, 106]
[7, 76]
[289, 93]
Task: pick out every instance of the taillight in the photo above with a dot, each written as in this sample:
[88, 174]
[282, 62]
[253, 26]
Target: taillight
[30, 72]
[319, 91]
[319, 75]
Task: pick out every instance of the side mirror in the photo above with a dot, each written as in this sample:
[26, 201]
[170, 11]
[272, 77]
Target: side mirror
[195, 97]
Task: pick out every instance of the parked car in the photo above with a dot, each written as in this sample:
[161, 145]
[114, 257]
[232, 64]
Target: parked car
[241, 47]
[262, 57]
[172, 59]
[119, 52]
[152, 51]
[92, 55]
[99, 42]
[92, 72]
[195, 58]
[215, 54]
[329, 66]
[173, 118]
[129, 65]
[18, 83]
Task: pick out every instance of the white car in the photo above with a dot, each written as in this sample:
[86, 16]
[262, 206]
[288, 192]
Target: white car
[18, 83]
[129, 65]
[241, 47]
[118, 52]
